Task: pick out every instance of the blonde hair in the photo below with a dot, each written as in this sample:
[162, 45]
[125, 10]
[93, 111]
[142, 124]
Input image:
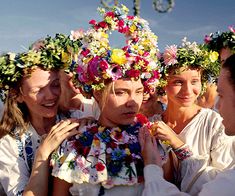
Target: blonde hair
[109, 87]
[15, 115]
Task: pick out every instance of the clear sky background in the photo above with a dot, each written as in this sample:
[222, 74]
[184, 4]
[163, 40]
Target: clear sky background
[24, 21]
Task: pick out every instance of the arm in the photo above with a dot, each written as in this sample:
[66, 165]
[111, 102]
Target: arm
[61, 187]
[40, 170]
[155, 184]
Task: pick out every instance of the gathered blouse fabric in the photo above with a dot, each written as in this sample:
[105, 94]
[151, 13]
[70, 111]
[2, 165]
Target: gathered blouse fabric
[155, 184]
[101, 161]
[16, 160]
[210, 145]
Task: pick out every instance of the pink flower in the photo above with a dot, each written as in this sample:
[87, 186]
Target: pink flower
[92, 69]
[207, 39]
[81, 74]
[115, 72]
[77, 34]
[170, 55]
[232, 29]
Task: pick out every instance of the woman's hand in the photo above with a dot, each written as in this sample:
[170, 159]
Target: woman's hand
[162, 131]
[58, 133]
[149, 147]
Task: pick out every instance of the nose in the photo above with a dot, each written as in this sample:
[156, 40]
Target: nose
[186, 88]
[131, 102]
[52, 93]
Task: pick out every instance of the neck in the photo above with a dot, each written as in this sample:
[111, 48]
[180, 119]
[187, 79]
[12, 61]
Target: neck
[178, 117]
[43, 125]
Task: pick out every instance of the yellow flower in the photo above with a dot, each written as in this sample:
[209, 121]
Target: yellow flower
[132, 28]
[213, 56]
[118, 56]
[65, 57]
[127, 150]
[96, 142]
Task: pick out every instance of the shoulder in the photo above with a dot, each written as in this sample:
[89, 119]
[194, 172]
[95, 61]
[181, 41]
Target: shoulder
[225, 179]
[211, 118]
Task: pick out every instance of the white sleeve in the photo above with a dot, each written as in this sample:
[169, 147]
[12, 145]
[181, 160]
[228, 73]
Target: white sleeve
[155, 184]
[14, 174]
[223, 184]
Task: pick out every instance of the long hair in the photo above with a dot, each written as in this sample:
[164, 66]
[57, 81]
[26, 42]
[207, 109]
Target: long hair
[15, 115]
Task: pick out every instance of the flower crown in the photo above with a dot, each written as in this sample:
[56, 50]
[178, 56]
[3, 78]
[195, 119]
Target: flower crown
[190, 55]
[218, 40]
[98, 63]
[51, 53]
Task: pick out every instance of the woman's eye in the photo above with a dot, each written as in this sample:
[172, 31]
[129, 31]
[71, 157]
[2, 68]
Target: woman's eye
[195, 81]
[178, 82]
[120, 92]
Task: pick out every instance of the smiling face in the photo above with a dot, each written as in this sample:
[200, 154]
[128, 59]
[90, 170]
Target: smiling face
[122, 102]
[226, 104]
[183, 89]
[40, 92]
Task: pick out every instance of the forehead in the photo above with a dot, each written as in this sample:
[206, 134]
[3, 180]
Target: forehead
[223, 80]
[39, 78]
[185, 72]
[128, 84]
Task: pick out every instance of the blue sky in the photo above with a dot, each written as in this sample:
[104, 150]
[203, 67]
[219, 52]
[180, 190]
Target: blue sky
[24, 21]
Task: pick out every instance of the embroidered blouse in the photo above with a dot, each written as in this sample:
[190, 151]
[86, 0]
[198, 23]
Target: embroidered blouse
[107, 157]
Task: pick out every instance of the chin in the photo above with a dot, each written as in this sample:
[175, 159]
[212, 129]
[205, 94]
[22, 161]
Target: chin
[229, 130]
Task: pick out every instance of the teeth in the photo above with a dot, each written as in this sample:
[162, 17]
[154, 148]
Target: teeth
[49, 104]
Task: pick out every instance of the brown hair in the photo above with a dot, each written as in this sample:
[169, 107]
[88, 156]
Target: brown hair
[229, 64]
[15, 115]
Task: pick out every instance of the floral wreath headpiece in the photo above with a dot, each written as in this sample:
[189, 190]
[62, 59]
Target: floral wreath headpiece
[190, 55]
[218, 40]
[53, 53]
[98, 63]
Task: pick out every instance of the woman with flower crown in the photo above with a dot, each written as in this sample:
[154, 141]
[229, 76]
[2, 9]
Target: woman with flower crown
[105, 158]
[223, 184]
[28, 129]
[186, 70]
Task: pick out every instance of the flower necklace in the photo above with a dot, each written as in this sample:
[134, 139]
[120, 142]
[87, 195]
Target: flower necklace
[122, 148]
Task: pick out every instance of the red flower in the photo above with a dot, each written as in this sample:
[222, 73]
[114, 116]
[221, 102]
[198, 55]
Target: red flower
[130, 17]
[110, 14]
[93, 130]
[103, 24]
[92, 22]
[133, 73]
[142, 119]
[85, 52]
[99, 166]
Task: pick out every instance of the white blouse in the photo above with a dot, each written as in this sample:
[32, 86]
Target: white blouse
[205, 136]
[155, 184]
[15, 163]
[15, 169]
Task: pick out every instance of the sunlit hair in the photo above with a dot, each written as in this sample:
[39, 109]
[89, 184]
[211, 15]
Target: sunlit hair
[15, 115]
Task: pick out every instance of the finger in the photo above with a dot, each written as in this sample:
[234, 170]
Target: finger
[63, 124]
[141, 137]
[63, 128]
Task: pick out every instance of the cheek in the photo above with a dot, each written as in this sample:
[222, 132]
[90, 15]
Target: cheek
[197, 89]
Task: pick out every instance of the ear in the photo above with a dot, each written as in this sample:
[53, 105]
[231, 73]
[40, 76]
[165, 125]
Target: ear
[20, 98]
[97, 95]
